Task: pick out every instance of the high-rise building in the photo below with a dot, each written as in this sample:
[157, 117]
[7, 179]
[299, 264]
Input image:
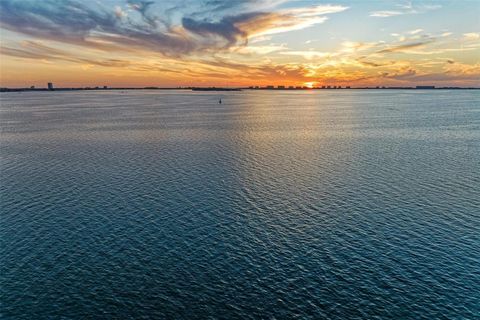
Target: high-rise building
[50, 86]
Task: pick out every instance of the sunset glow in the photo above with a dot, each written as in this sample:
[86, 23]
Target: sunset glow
[239, 43]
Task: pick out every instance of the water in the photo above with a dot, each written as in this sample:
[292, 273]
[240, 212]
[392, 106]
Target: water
[273, 205]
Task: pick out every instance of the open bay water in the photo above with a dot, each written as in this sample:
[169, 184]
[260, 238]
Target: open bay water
[341, 204]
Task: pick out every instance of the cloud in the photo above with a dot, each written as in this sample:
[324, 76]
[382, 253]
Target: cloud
[210, 29]
[43, 56]
[70, 21]
[226, 28]
[240, 27]
[309, 55]
[143, 7]
[403, 73]
[36, 50]
[258, 49]
[119, 13]
[53, 19]
[385, 14]
[471, 36]
[371, 63]
[192, 68]
[406, 47]
[227, 6]
[452, 71]
[214, 40]
[352, 46]
[416, 31]
[260, 39]
[426, 44]
[340, 69]
[463, 69]
[408, 8]
[446, 77]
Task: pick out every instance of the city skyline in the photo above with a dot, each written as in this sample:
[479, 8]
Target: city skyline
[241, 43]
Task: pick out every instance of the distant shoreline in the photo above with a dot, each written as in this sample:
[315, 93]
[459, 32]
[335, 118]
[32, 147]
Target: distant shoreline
[236, 89]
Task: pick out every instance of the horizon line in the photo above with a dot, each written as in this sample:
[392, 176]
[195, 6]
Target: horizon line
[232, 88]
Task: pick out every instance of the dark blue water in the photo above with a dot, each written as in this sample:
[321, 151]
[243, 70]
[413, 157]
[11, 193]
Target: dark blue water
[273, 205]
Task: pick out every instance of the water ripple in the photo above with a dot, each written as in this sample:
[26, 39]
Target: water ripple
[147, 204]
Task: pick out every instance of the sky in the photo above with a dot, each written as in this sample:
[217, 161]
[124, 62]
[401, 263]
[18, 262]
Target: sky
[171, 43]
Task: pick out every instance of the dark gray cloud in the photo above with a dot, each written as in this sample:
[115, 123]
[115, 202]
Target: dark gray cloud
[370, 63]
[407, 46]
[225, 28]
[405, 73]
[226, 7]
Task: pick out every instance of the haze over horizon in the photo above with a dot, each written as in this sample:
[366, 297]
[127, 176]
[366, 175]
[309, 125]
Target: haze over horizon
[239, 43]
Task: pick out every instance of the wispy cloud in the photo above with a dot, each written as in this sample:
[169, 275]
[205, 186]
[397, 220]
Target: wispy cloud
[36, 50]
[402, 73]
[386, 13]
[471, 36]
[92, 25]
[406, 47]
[242, 26]
[309, 55]
[403, 9]
[416, 31]
[260, 50]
